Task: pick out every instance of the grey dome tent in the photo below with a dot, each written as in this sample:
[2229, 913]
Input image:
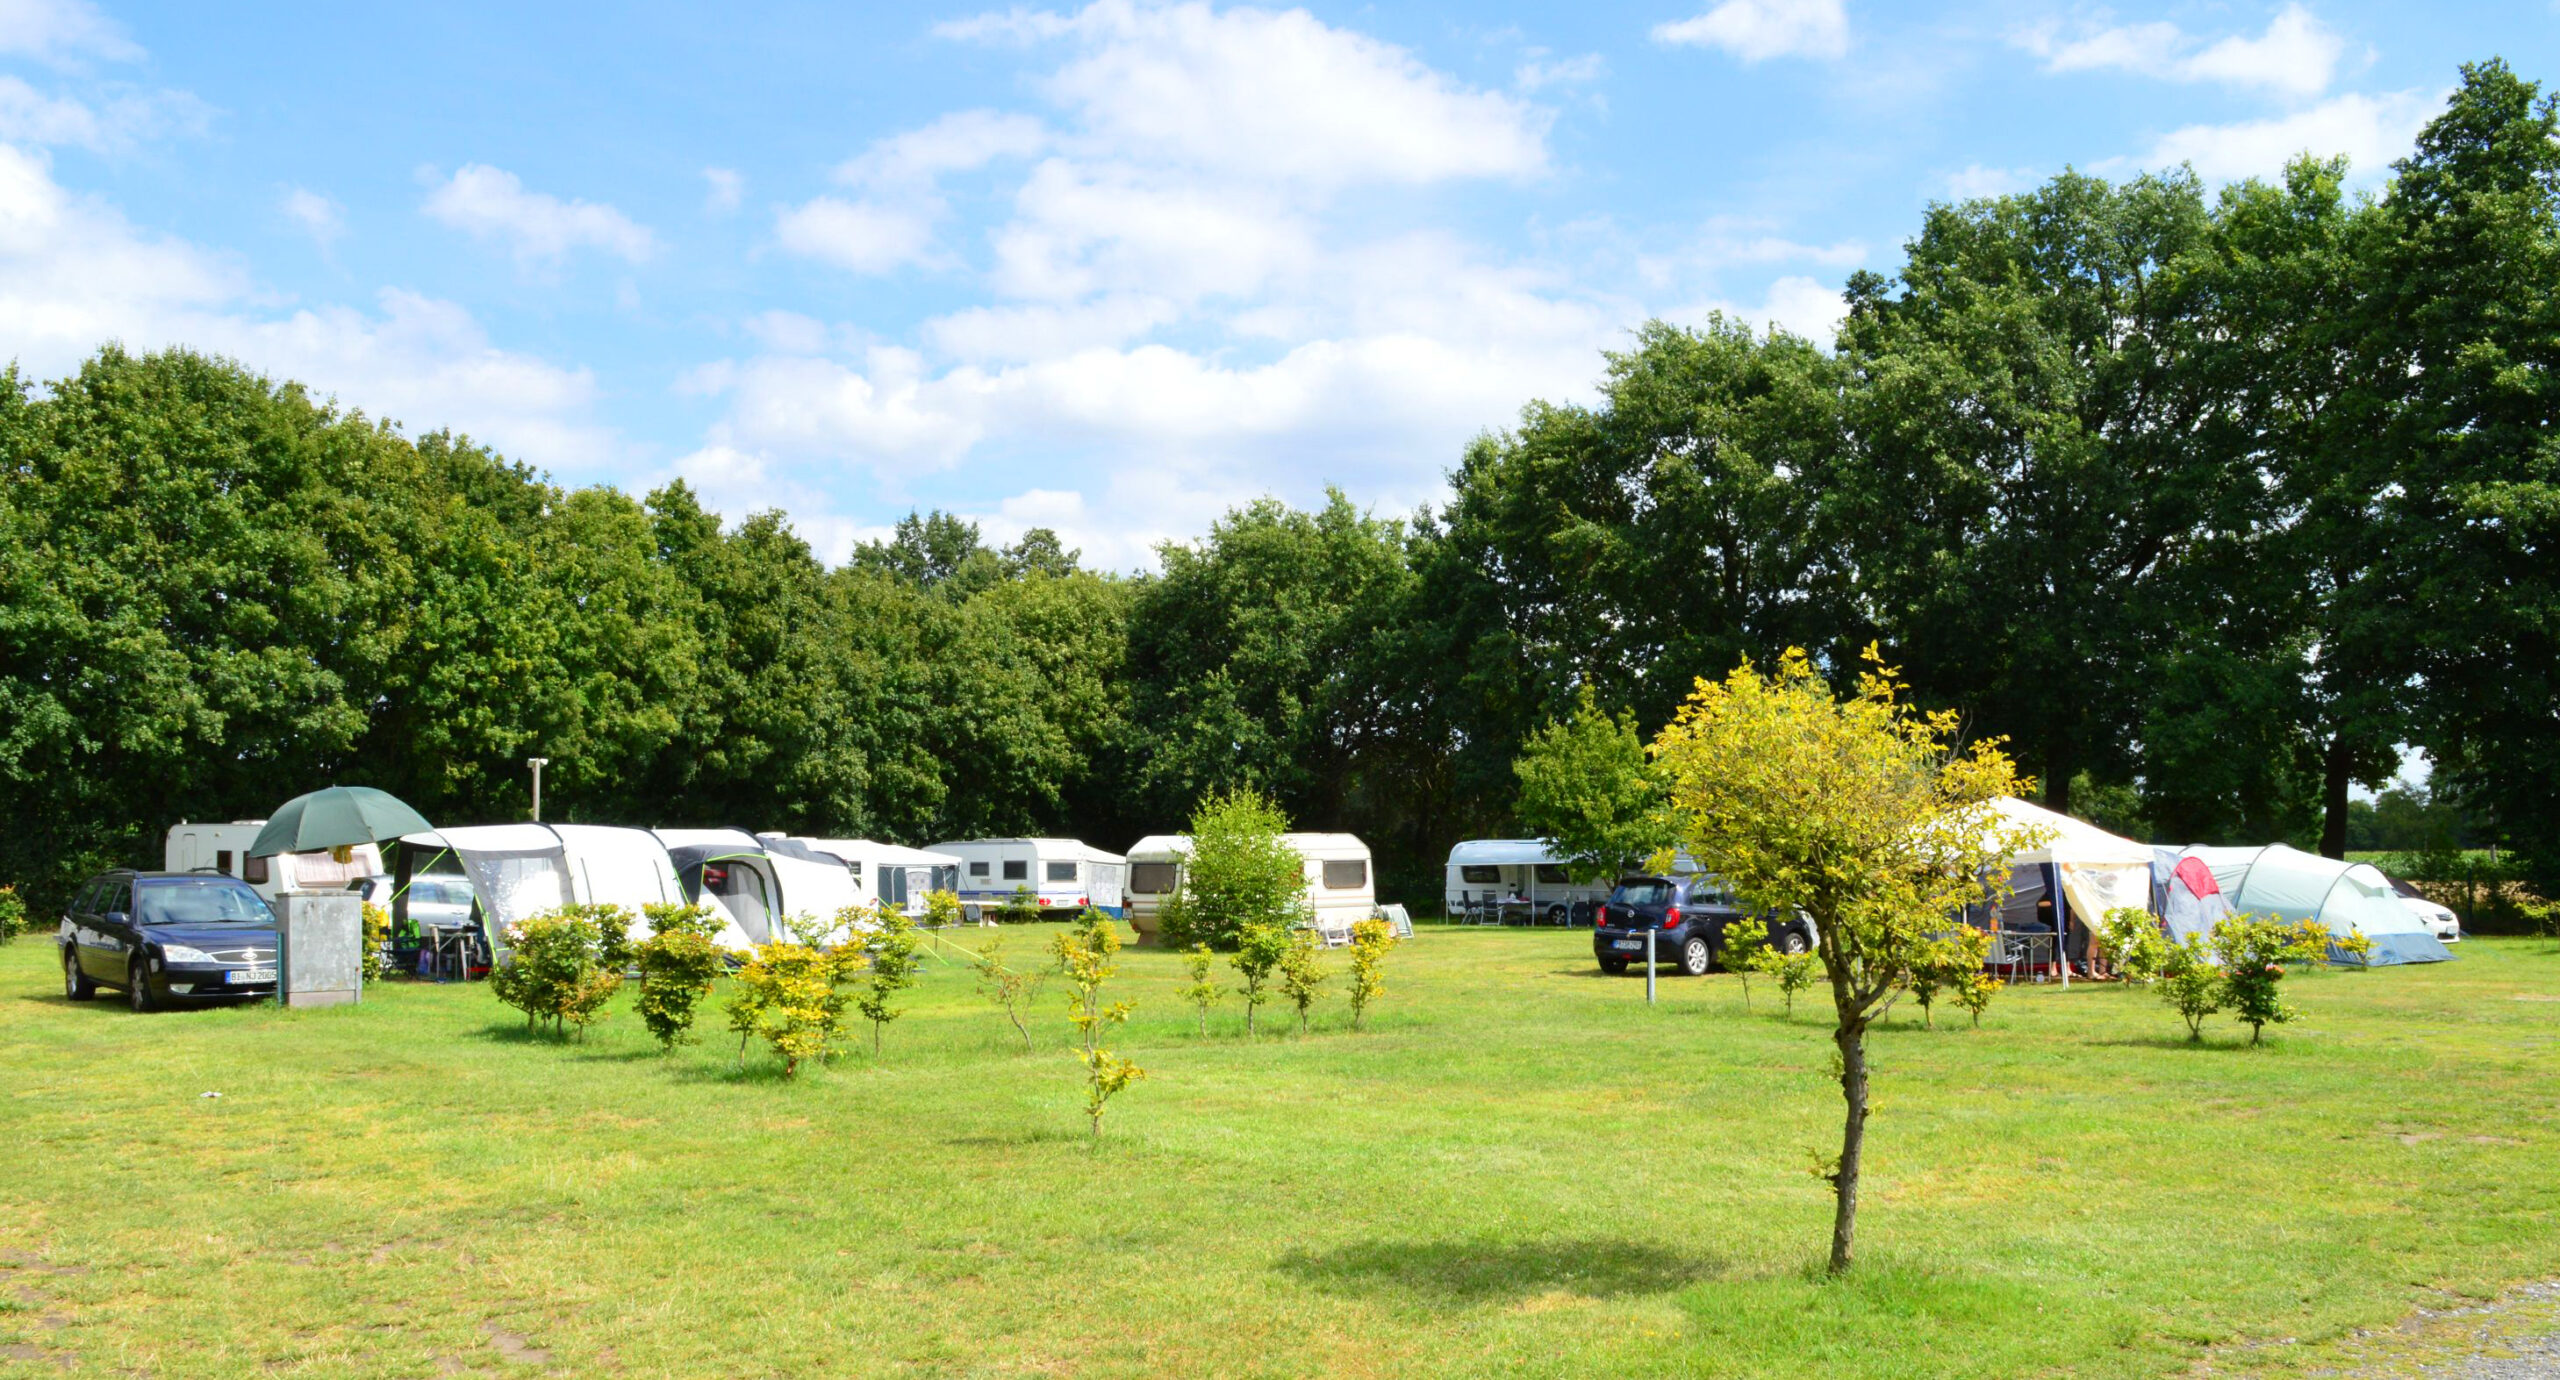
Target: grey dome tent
[2347, 898]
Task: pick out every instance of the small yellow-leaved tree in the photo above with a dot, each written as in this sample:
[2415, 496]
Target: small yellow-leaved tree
[1088, 952]
[1862, 812]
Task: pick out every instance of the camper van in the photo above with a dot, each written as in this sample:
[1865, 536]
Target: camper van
[1342, 887]
[224, 848]
[1060, 874]
[895, 877]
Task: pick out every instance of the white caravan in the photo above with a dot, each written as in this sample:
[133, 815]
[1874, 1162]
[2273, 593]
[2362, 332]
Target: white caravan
[1060, 874]
[224, 848]
[759, 882]
[895, 877]
[1342, 887]
[1525, 870]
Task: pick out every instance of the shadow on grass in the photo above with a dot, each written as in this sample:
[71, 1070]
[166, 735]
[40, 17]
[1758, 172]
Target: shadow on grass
[1035, 1136]
[2170, 1041]
[1489, 1271]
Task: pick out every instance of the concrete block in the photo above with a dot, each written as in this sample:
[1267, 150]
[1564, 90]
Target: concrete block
[320, 948]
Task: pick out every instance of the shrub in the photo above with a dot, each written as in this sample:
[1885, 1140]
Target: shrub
[941, 909]
[2189, 983]
[787, 993]
[1239, 873]
[1943, 965]
[1746, 951]
[2253, 953]
[1370, 940]
[377, 942]
[678, 963]
[892, 968]
[1975, 992]
[554, 970]
[2357, 947]
[13, 914]
[1088, 954]
[1795, 973]
[1259, 949]
[1021, 908]
[1204, 990]
[1006, 987]
[2137, 944]
[1302, 974]
[613, 934]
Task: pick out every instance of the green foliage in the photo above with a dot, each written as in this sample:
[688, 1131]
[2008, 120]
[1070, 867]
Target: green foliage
[2252, 952]
[941, 909]
[1747, 951]
[1238, 873]
[2136, 944]
[1370, 941]
[377, 939]
[612, 926]
[1974, 992]
[1795, 973]
[1302, 973]
[1021, 908]
[1203, 991]
[893, 963]
[1009, 988]
[789, 994]
[1947, 963]
[1089, 955]
[553, 969]
[13, 914]
[2190, 983]
[1586, 783]
[1259, 952]
[678, 963]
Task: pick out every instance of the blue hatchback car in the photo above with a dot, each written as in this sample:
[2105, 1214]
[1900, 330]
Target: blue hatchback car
[158, 935]
[1686, 916]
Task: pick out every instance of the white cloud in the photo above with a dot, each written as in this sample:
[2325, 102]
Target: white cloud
[2296, 57]
[1539, 73]
[492, 204]
[723, 190]
[1975, 180]
[1112, 228]
[62, 32]
[121, 118]
[74, 274]
[1800, 306]
[1259, 94]
[960, 142]
[1756, 30]
[2370, 130]
[864, 236]
[324, 219]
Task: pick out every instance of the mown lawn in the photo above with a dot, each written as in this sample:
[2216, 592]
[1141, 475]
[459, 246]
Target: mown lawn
[1519, 1169]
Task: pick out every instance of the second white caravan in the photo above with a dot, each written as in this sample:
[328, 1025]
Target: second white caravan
[1342, 886]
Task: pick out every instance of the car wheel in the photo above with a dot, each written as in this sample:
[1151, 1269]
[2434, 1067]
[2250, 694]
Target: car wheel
[972, 914]
[75, 984]
[1697, 956]
[1793, 942]
[1614, 967]
[137, 987]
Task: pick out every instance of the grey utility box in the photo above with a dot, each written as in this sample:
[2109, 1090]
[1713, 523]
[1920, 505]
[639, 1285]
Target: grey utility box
[320, 948]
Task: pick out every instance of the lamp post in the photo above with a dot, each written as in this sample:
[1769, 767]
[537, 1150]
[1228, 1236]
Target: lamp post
[537, 763]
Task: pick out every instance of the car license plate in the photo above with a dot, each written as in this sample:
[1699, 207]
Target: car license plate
[1629, 944]
[247, 977]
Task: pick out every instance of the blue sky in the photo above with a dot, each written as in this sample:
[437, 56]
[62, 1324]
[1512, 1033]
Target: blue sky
[1109, 269]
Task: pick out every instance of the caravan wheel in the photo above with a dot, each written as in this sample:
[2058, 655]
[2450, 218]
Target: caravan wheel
[972, 914]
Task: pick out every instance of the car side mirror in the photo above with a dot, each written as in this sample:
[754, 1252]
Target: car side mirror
[117, 917]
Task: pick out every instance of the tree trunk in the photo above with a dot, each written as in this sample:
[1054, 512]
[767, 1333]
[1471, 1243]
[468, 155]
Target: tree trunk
[1852, 1039]
[2333, 798]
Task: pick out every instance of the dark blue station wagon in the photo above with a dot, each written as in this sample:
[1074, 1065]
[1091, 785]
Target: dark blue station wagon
[159, 935]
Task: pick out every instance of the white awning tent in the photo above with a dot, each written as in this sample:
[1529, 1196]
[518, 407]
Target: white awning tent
[629, 868]
[516, 871]
[2346, 898]
[2096, 871]
[892, 874]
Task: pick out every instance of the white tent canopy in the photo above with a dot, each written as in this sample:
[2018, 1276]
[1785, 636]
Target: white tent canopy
[2346, 898]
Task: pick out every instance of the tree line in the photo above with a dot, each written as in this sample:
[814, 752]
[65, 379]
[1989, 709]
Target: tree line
[2205, 503]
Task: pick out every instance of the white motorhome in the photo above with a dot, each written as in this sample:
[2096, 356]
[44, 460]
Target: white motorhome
[224, 848]
[1342, 886]
[893, 876]
[759, 882]
[1528, 871]
[1060, 874]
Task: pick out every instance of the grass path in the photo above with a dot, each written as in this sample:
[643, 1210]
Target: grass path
[1519, 1169]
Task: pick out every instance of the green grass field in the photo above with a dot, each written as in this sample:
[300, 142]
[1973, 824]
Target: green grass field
[1520, 1169]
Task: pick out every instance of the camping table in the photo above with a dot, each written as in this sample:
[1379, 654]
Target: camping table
[2034, 950]
[452, 941]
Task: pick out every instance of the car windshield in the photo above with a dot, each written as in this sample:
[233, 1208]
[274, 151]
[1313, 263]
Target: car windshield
[201, 901]
[1644, 893]
[440, 891]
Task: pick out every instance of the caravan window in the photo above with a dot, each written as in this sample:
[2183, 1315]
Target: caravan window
[1017, 871]
[254, 871]
[1347, 875]
[1553, 874]
[1062, 872]
[222, 861]
[1151, 879]
[856, 869]
[978, 869]
[1479, 874]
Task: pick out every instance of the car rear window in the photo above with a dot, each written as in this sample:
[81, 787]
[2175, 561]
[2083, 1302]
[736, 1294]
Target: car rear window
[205, 901]
[1644, 893]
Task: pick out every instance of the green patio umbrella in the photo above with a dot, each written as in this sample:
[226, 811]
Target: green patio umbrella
[339, 815]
